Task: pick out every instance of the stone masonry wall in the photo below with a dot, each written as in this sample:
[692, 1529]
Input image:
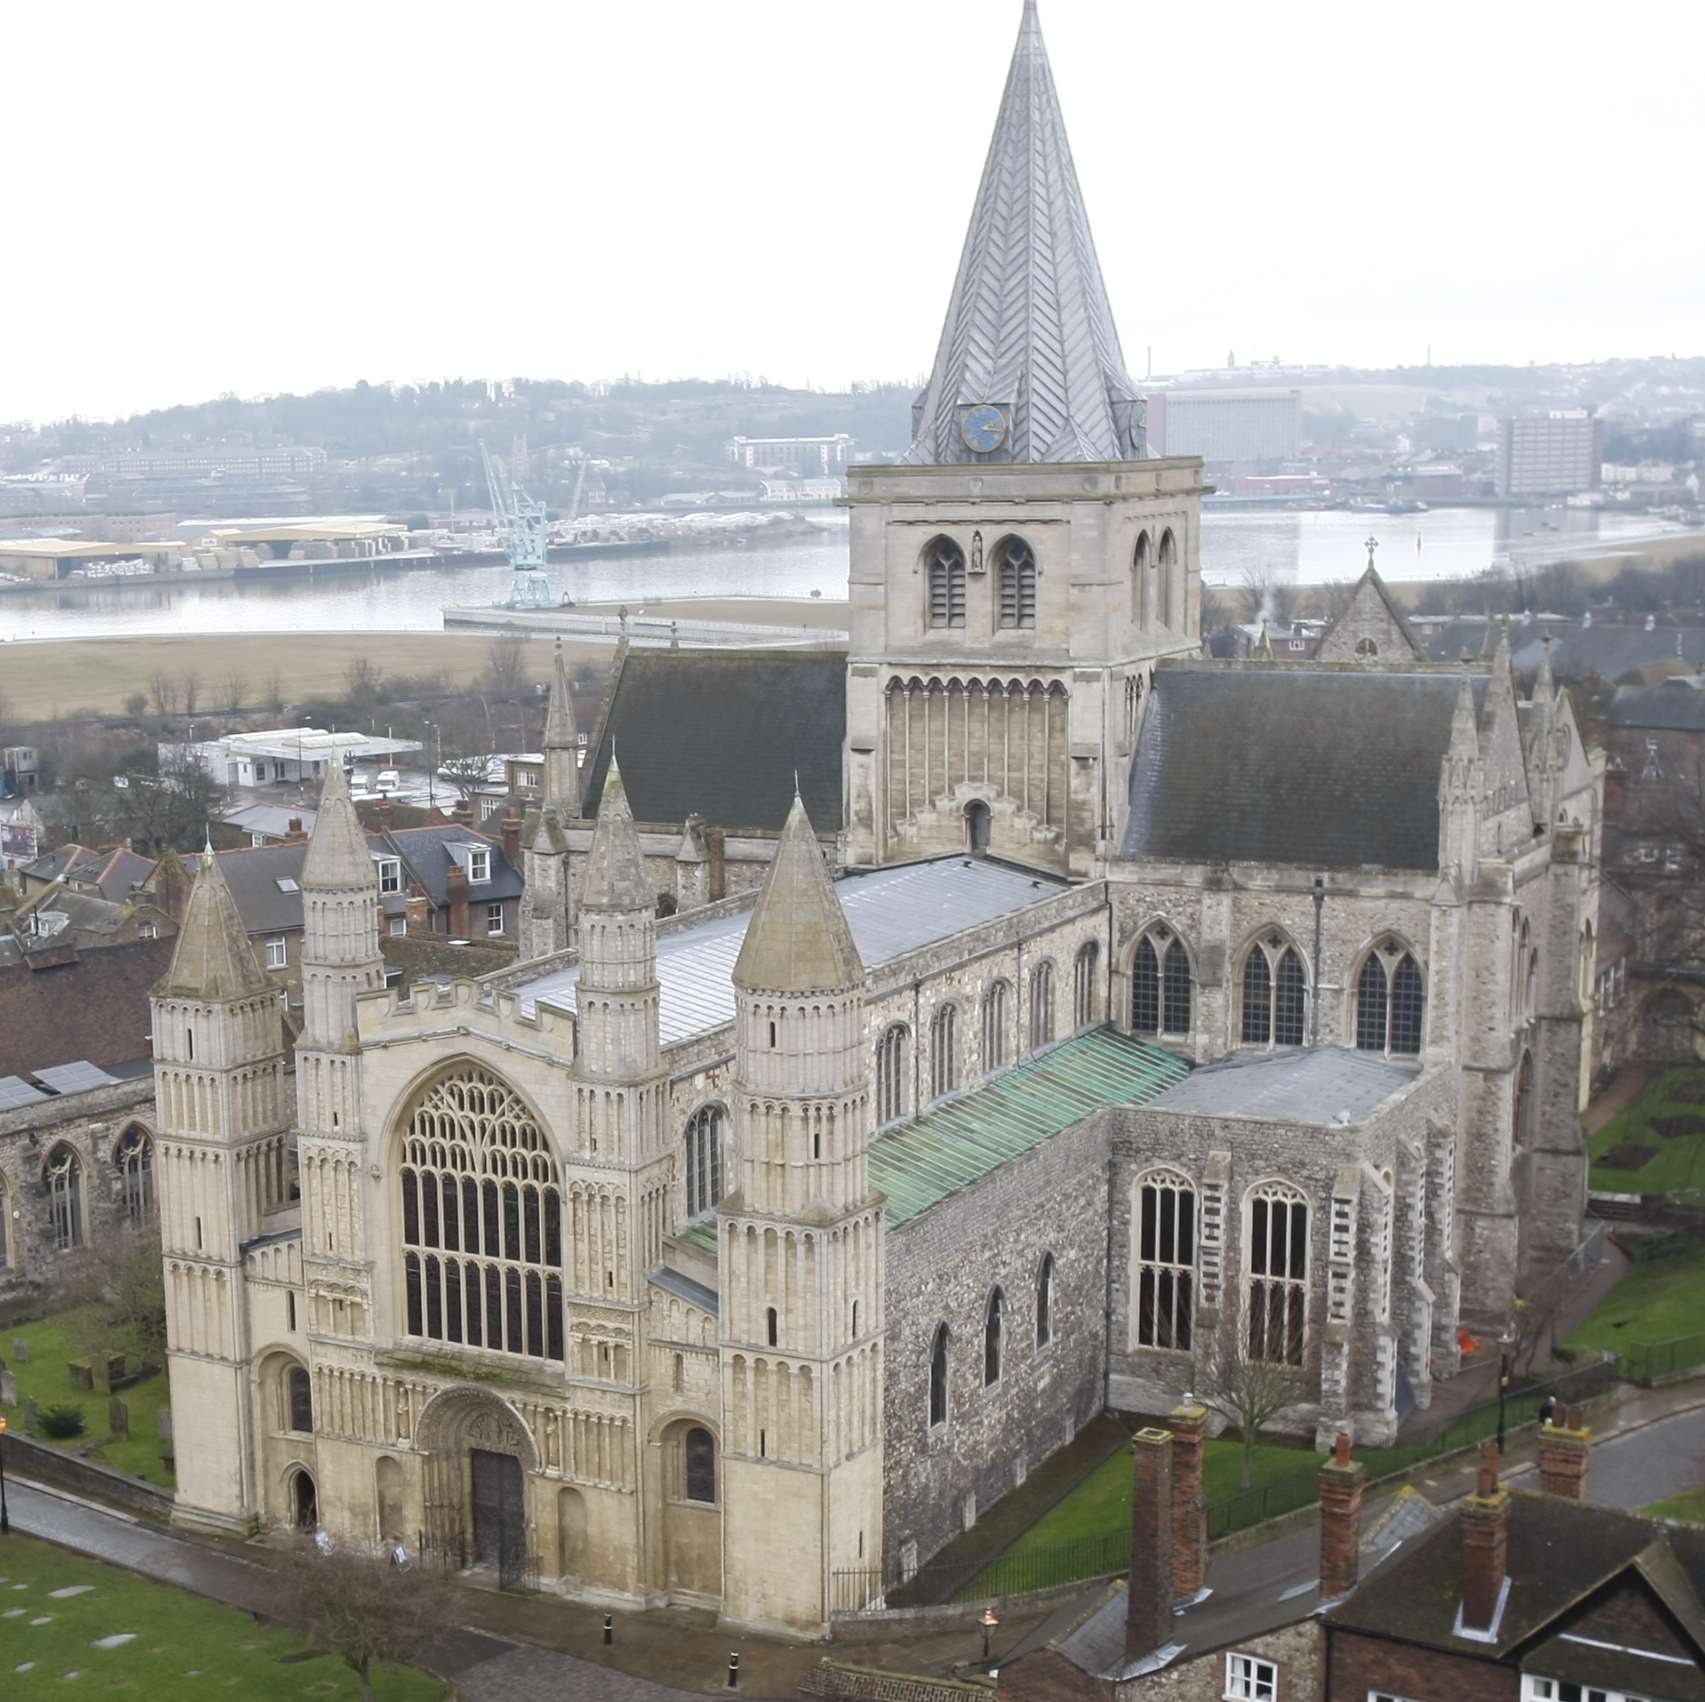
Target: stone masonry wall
[1294, 1650]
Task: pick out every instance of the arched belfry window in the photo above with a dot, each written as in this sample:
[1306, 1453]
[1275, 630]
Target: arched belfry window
[1142, 563]
[938, 1377]
[704, 1160]
[892, 1052]
[65, 1198]
[481, 1220]
[1161, 985]
[1275, 994]
[994, 1321]
[1165, 572]
[1015, 572]
[133, 1158]
[944, 567]
[1391, 1002]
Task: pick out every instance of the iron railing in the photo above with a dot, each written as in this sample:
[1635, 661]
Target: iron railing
[1646, 1362]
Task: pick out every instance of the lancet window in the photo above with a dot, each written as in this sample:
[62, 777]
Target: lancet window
[1160, 985]
[891, 1055]
[1276, 1258]
[134, 1159]
[1166, 1261]
[704, 1160]
[1391, 1002]
[1275, 994]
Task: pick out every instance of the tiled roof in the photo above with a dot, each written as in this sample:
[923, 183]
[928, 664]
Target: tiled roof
[1322, 767]
[91, 1005]
[722, 733]
[1676, 706]
[920, 1163]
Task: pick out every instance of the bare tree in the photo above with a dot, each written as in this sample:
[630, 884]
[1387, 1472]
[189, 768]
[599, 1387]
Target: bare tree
[119, 1296]
[362, 681]
[164, 690]
[236, 686]
[363, 1609]
[1266, 597]
[1236, 1378]
[1332, 599]
[506, 664]
[192, 690]
[271, 694]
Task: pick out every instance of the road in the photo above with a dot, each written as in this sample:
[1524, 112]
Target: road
[1651, 1464]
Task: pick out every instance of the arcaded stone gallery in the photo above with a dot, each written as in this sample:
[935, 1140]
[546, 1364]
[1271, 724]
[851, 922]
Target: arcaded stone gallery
[1142, 1008]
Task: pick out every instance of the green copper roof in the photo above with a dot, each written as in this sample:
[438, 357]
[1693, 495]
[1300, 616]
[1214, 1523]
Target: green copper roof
[920, 1163]
[702, 1233]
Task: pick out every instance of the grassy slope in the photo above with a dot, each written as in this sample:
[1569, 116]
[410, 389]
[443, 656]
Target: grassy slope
[1689, 1505]
[184, 1646]
[1654, 1302]
[45, 1378]
[1678, 1161]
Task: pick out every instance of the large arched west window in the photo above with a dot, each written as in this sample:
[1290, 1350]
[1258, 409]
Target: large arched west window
[64, 1177]
[938, 1377]
[997, 1017]
[1276, 1274]
[1015, 578]
[133, 1158]
[944, 1050]
[994, 1321]
[892, 1052]
[1391, 1002]
[1274, 1004]
[1166, 1261]
[1165, 572]
[481, 1220]
[704, 1159]
[1045, 1301]
[944, 570]
[1086, 979]
[1161, 985]
[1042, 1004]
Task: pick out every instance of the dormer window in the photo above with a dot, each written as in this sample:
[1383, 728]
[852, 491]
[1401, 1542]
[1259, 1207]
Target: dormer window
[390, 873]
[479, 865]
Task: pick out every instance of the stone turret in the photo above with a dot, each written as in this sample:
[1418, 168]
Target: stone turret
[800, 1256]
[547, 910]
[223, 1174]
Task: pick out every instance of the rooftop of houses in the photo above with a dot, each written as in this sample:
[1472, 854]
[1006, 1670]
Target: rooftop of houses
[63, 1006]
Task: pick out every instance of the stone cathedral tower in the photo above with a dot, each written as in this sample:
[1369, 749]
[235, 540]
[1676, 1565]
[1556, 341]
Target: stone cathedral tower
[1014, 579]
[800, 1258]
[224, 1134]
[547, 909]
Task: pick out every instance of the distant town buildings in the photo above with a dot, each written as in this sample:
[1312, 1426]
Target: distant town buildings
[1550, 454]
[285, 463]
[805, 457]
[1226, 425]
[285, 753]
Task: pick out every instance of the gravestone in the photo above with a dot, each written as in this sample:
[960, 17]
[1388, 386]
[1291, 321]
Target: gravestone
[82, 1373]
[8, 1389]
[21, 1351]
[31, 1416]
[118, 1418]
[165, 1424]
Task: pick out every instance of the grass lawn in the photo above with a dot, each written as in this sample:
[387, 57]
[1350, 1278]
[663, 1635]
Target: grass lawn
[1689, 1506]
[1657, 1144]
[179, 1645]
[1658, 1300]
[46, 1378]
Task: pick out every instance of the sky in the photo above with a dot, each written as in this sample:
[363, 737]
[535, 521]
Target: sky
[211, 198]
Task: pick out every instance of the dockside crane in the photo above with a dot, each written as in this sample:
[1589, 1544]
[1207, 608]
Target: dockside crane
[525, 534]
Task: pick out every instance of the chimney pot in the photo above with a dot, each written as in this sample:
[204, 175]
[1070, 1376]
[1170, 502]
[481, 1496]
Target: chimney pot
[1148, 1591]
[1485, 1546]
[1342, 1482]
[1189, 1501]
[1564, 1445]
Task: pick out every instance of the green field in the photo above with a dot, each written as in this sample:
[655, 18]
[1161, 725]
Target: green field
[1656, 1145]
[45, 1376]
[177, 1644]
[1689, 1506]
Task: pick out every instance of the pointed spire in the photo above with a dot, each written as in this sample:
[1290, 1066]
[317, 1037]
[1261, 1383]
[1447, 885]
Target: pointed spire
[615, 877]
[1491, 643]
[1545, 684]
[1501, 657]
[1029, 366]
[798, 940]
[562, 743]
[213, 959]
[337, 856]
[1464, 727]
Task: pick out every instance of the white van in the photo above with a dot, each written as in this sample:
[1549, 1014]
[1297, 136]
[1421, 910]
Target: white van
[388, 780]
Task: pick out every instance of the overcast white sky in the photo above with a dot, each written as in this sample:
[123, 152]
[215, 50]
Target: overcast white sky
[266, 196]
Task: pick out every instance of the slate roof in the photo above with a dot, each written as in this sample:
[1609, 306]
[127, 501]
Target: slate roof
[1029, 325]
[1576, 651]
[1312, 1084]
[1561, 1553]
[920, 1163]
[1676, 706]
[1318, 767]
[890, 911]
[429, 852]
[91, 1005]
[722, 733]
[253, 876]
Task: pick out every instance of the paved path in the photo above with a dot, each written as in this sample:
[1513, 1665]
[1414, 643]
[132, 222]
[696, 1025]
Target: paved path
[1651, 1465]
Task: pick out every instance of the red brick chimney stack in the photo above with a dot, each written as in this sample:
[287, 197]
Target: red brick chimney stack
[1563, 1447]
[419, 913]
[1189, 1501]
[1342, 1481]
[1149, 1593]
[457, 884]
[1485, 1545]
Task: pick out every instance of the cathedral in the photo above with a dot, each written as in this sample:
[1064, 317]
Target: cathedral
[1143, 1009]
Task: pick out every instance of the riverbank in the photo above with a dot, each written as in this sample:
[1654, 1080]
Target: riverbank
[50, 677]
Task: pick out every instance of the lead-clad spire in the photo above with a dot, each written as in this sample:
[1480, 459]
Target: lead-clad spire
[798, 940]
[1029, 366]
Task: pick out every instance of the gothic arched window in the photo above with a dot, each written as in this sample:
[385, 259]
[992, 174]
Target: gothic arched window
[1166, 1261]
[944, 1051]
[996, 1003]
[938, 1377]
[65, 1198]
[1042, 1004]
[299, 1400]
[891, 1052]
[944, 564]
[1391, 1002]
[993, 1322]
[1084, 989]
[1521, 1134]
[1276, 1267]
[1045, 1301]
[1141, 562]
[1275, 994]
[134, 1159]
[1161, 985]
[5, 1225]
[1165, 566]
[698, 1460]
[481, 1220]
[704, 1159]
[1015, 571]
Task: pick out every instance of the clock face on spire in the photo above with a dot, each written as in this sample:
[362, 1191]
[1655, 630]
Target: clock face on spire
[983, 428]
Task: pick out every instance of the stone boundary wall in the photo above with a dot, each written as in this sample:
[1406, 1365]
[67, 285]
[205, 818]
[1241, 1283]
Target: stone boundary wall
[34, 1462]
[832, 1678]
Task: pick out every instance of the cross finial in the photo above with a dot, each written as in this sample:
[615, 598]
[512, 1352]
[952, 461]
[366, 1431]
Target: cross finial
[1372, 545]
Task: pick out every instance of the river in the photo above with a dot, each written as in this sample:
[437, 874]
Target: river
[1305, 547]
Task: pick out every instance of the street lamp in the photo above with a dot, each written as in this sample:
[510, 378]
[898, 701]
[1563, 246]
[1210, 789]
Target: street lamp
[988, 1621]
[5, 1516]
[1505, 1342]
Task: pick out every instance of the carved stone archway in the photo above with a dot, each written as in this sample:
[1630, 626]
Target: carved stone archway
[452, 1425]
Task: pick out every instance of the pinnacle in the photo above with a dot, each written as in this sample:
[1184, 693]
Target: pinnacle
[337, 854]
[798, 940]
[213, 959]
[615, 877]
[560, 730]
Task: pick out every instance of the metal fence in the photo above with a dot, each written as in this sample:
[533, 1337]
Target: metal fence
[1647, 1362]
[517, 1567]
[1023, 1571]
